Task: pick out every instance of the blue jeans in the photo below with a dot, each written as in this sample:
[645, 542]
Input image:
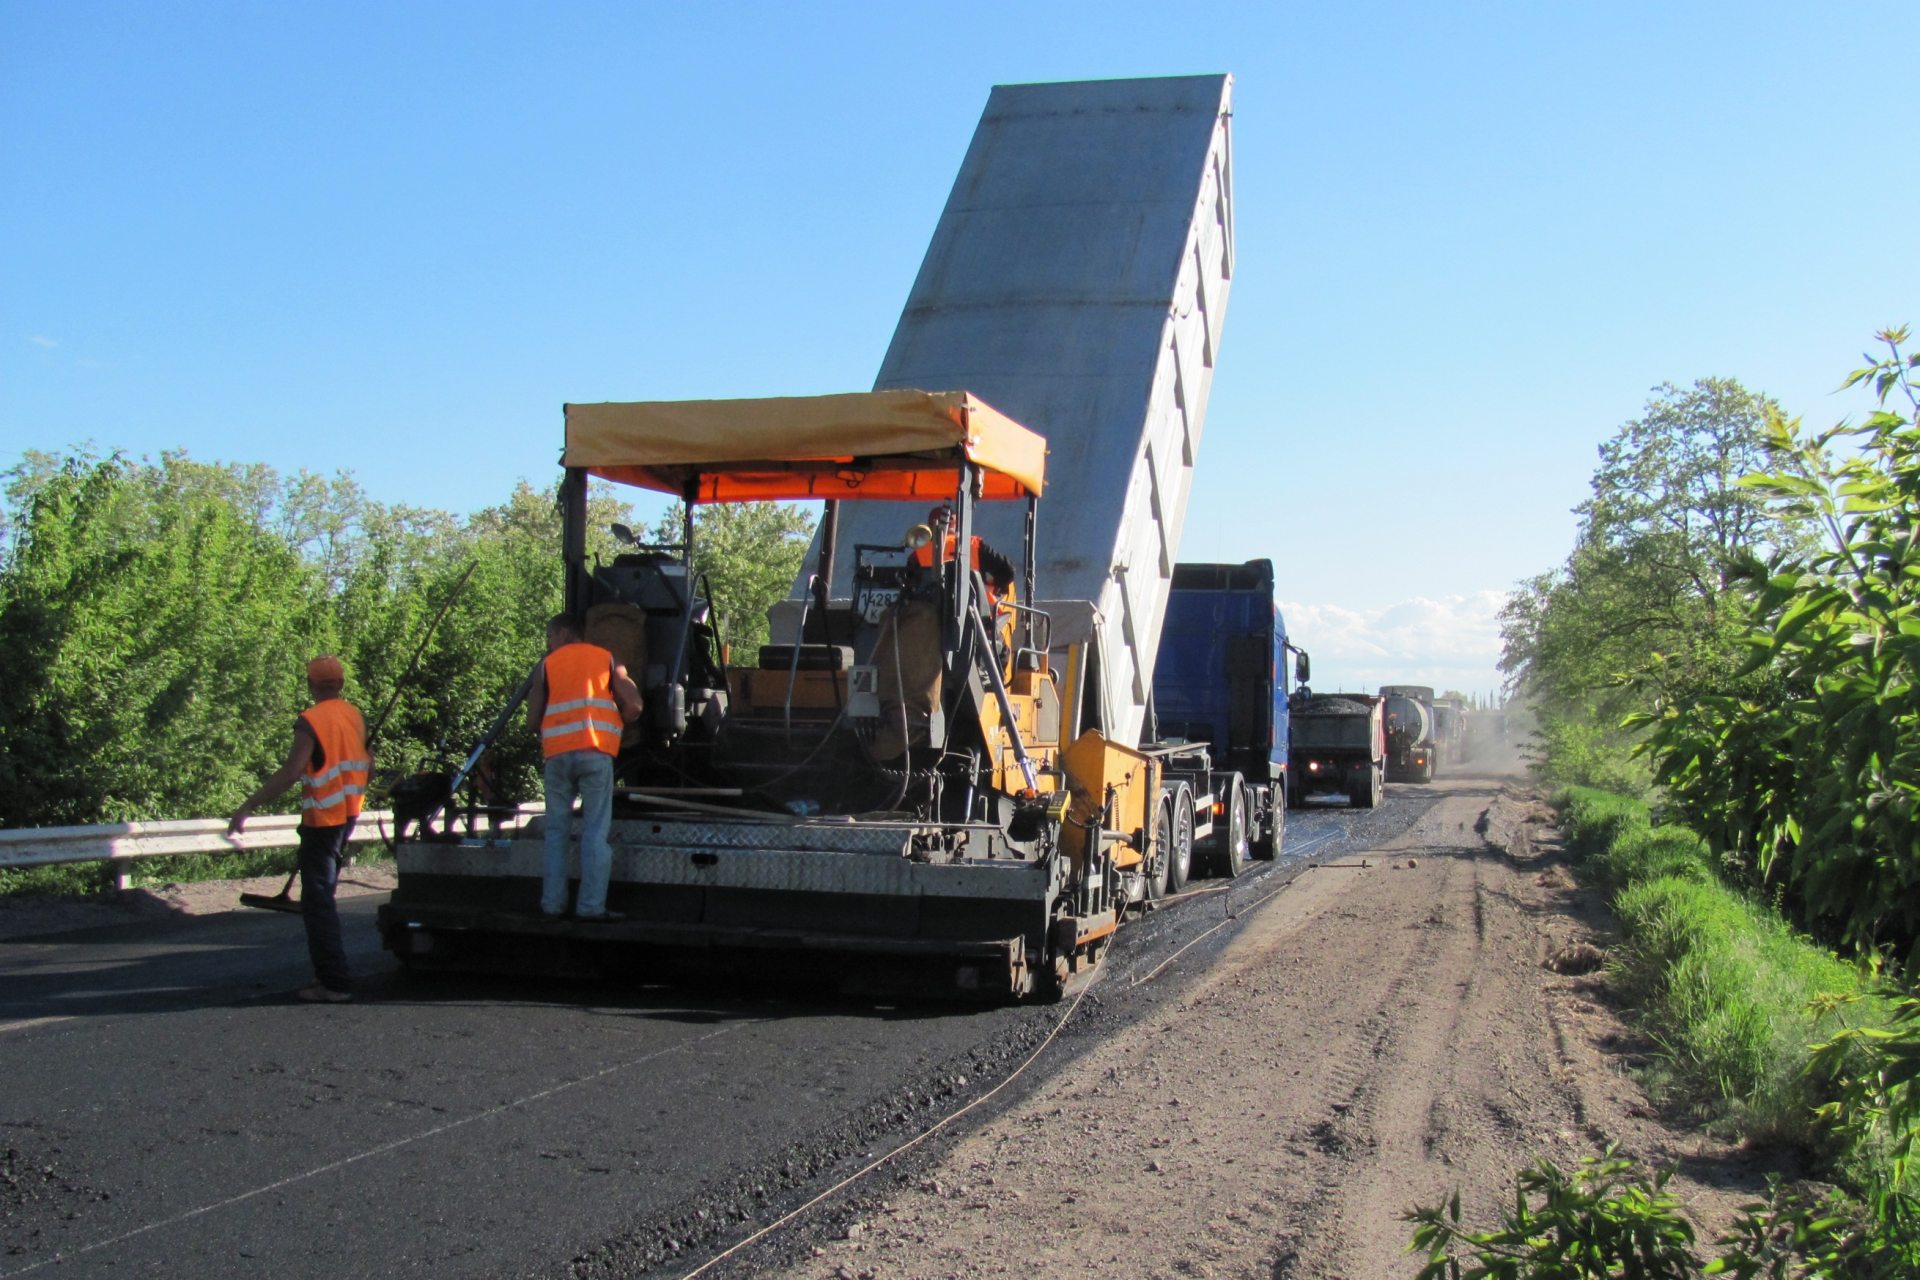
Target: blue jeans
[588, 774]
[321, 851]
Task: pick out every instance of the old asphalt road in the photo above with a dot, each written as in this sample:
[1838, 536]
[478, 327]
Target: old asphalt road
[170, 1110]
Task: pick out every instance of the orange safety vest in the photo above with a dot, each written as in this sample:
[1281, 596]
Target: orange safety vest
[581, 713]
[923, 556]
[334, 794]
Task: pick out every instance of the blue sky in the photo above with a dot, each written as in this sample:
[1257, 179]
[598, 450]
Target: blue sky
[1472, 237]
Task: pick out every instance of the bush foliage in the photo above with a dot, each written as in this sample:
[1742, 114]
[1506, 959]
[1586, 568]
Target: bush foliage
[155, 618]
[1817, 785]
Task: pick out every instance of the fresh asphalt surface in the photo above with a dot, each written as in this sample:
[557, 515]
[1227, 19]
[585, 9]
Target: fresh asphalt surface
[170, 1110]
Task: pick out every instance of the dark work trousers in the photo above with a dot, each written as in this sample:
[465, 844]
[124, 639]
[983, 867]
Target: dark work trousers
[321, 851]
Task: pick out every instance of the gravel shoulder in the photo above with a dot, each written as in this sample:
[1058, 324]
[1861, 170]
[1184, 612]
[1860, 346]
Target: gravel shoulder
[1393, 1026]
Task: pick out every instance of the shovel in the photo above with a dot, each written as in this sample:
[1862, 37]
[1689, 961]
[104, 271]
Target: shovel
[281, 901]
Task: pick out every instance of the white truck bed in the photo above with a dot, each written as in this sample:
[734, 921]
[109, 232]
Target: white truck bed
[1077, 281]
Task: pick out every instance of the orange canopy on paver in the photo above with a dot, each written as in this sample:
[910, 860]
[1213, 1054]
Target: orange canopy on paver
[868, 444]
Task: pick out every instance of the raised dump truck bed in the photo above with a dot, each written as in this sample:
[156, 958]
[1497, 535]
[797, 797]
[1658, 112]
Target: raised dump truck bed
[1077, 281]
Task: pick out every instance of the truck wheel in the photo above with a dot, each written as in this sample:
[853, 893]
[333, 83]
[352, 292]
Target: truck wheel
[1379, 784]
[1267, 835]
[1180, 851]
[1158, 849]
[1230, 856]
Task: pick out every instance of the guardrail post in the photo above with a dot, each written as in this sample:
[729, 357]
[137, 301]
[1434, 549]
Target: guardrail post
[119, 874]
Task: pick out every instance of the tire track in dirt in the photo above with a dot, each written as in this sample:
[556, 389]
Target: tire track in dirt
[1173, 1149]
[1461, 1068]
[1370, 1039]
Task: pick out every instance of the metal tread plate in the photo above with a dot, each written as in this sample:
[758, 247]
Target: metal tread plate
[790, 870]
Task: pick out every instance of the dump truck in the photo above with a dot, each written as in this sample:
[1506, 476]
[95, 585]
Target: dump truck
[1221, 709]
[920, 782]
[1339, 748]
[1078, 279]
[1412, 751]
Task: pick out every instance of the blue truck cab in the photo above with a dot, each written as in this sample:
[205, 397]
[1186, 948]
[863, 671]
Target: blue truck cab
[1221, 681]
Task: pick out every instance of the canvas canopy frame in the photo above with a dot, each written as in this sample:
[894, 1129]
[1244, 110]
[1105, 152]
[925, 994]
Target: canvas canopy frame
[903, 445]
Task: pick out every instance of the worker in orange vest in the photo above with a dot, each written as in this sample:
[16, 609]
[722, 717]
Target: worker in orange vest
[330, 760]
[580, 701]
[994, 569]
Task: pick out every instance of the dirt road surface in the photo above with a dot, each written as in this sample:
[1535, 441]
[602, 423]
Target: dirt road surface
[1389, 1028]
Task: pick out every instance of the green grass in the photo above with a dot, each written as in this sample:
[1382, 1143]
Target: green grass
[1641, 853]
[1593, 820]
[1733, 997]
[1727, 989]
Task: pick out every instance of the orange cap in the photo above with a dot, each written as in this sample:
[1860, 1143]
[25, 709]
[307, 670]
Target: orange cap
[324, 668]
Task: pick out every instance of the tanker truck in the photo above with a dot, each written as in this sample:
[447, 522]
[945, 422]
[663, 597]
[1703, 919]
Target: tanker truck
[1411, 748]
[1450, 730]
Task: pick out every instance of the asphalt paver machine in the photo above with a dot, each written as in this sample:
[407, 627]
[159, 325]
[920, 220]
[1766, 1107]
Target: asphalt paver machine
[885, 803]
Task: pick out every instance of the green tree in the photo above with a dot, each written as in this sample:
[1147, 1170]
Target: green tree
[493, 633]
[1819, 782]
[751, 552]
[1660, 537]
[154, 615]
[151, 635]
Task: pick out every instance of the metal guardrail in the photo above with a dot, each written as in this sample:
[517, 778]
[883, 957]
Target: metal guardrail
[117, 844]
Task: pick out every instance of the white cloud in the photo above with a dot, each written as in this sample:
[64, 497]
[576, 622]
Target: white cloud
[1452, 642]
[43, 341]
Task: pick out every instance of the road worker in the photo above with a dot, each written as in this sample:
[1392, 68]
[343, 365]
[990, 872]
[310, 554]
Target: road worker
[994, 569]
[580, 703]
[330, 760]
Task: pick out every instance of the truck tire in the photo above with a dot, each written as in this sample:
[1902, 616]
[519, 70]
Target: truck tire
[1155, 869]
[1230, 844]
[1180, 850]
[1270, 833]
[1367, 794]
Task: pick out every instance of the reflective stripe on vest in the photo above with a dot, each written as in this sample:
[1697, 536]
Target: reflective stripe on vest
[334, 794]
[581, 714]
[923, 554]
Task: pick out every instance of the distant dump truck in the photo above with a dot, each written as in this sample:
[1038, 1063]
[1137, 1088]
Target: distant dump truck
[1339, 748]
[1412, 748]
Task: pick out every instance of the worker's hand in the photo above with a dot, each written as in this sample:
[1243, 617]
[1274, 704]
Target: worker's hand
[238, 822]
